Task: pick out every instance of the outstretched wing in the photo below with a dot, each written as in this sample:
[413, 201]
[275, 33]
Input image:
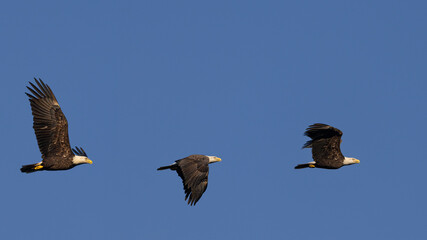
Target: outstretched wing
[325, 145]
[194, 175]
[49, 123]
[79, 151]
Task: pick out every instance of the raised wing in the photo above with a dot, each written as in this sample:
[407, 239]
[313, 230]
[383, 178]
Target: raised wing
[325, 145]
[194, 175]
[49, 123]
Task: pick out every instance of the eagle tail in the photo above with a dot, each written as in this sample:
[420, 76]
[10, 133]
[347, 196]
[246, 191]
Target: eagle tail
[300, 166]
[30, 168]
[163, 168]
[171, 167]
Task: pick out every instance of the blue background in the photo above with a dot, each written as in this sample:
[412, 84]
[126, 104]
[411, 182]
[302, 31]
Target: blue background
[146, 83]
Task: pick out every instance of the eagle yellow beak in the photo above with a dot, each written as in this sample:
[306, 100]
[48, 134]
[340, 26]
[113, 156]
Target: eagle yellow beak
[357, 161]
[89, 161]
[218, 159]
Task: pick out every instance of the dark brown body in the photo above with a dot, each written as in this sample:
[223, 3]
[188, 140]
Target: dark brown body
[55, 163]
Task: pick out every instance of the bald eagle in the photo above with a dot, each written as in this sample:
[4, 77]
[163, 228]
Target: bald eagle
[325, 145]
[193, 171]
[51, 128]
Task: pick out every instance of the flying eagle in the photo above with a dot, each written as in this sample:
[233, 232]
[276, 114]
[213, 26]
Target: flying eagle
[51, 128]
[325, 145]
[193, 171]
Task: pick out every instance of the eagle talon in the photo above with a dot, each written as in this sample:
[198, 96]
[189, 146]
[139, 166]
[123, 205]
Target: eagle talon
[38, 167]
[311, 166]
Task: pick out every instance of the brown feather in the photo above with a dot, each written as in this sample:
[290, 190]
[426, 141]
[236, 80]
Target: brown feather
[51, 128]
[194, 171]
[325, 145]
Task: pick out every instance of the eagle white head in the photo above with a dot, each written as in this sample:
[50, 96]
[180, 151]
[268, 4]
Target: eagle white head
[77, 160]
[349, 161]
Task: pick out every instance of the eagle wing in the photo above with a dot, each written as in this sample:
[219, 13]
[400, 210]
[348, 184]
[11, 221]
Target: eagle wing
[325, 143]
[49, 123]
[194, 175]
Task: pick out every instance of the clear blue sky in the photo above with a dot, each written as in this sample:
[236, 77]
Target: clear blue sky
[146, 83]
